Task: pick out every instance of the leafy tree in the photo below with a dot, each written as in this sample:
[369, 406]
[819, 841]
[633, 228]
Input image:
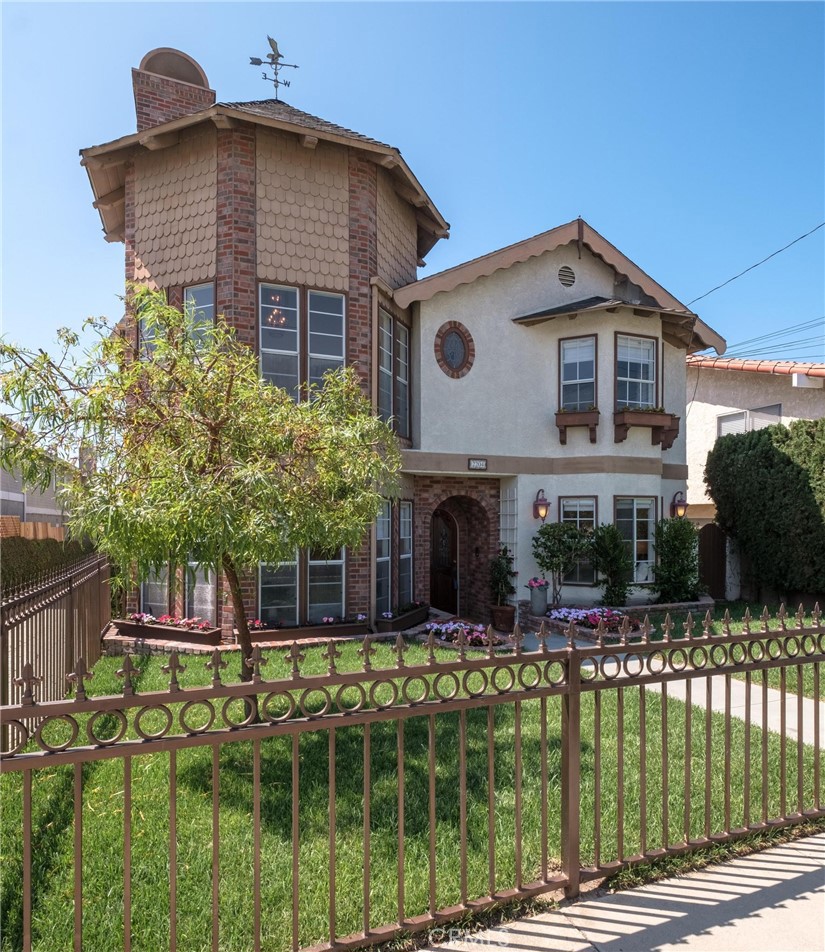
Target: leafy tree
[611, 559]
[676, 573]
[183, 453]
[765, 501]
[557, 546]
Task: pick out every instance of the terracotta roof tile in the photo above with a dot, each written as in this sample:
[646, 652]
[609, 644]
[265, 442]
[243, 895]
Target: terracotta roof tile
[758, 366]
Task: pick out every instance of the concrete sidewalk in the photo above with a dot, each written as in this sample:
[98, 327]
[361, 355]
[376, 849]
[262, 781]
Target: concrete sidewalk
[773, 901]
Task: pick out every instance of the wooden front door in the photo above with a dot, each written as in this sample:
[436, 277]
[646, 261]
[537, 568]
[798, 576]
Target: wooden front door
[444, 563]
[712, 559]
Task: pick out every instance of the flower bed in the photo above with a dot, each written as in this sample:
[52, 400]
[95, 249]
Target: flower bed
[475, 636]
[190, 631]
[414, 614]
[587, 621]
[260, 631]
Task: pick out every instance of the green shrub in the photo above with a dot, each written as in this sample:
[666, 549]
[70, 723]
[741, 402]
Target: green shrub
[24, 560]
[765, 500]
[557, 546]
[608, 553]
[676, 573]
[501, 576]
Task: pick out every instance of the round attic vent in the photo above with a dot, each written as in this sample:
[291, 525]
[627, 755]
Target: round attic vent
[567, 276]
[173, 64]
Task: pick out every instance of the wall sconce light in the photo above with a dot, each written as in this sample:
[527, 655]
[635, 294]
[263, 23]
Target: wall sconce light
[679, 505]
[541, 506]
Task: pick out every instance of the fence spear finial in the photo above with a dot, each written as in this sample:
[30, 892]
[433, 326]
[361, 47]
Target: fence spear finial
[800, 616]
[295, 656]
[746, 621]
[491, 642]
[173, 668]
[215, 666]
[816, 615]
[77, 677]
[400, 648]
[27, 681]
[543, 637]
[782, 617]
[518, 638]
[330, 655]
[127, 672]
[367, 650]
[255, 662]
[765, 617]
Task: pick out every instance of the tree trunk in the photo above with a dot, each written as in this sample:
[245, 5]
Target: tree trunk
[239, 613]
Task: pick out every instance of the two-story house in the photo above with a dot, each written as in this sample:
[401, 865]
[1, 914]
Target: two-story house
[555, 364]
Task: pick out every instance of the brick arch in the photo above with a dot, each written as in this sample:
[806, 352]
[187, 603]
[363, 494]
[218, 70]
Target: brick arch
[474, 504]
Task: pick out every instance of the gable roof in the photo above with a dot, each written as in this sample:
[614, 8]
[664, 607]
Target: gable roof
[106, 163]
[580, 232]
[757, 366]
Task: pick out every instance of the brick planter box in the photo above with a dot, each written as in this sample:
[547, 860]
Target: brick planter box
[310, 631]
[401, 622]
[133, 629]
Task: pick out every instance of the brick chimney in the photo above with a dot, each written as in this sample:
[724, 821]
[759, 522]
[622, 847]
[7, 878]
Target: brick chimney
[169, 84]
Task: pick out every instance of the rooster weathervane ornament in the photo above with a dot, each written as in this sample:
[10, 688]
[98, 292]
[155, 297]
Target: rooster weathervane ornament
[274, 63]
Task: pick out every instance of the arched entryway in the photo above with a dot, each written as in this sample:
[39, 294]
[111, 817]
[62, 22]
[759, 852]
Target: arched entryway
[461, 547]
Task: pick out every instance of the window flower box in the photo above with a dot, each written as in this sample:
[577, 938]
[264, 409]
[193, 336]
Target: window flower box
[568, 418]
[190, 636]
[400, 621]
[664, 427]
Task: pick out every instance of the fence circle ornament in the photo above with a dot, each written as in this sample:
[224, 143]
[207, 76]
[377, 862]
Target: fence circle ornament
[718, 656]
[196, 728]
[609, 673]
[375, 701]
[119, 716]
[678, 660]
[792, 647]
[153, 709]
[633, 665]
[774, 649]
[441, 694]
[821, 643]
[756, 651]
[808, 645]
[40, 733]
[509, 679]
[698, 658]
[588, 670]
[273, 716]
[310, 710]
[738, 654]
[409, 693]
[533, 682]
[554, 672]
[250, 706]
[18, 728]
[341, 701]
[656, 662]
[477, 676]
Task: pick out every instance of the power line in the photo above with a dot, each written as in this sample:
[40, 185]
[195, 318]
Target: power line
[780, 333]
[775, 253]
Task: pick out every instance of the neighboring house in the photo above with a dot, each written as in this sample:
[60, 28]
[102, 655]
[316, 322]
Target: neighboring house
[27, 504]
[728, 395]
[307, 237]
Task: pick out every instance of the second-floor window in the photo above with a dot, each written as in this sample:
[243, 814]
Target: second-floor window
[301, 336]
[578, 373]
[199, 307]
[635, 372]
[394, 372]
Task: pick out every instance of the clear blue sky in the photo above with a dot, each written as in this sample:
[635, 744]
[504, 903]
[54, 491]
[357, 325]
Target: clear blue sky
[689, 134]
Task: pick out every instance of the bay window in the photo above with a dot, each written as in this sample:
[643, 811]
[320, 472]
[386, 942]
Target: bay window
[199, 308]
[635, 372]
[394, 372]
[405, 554]
[306, 590]
[578, 374]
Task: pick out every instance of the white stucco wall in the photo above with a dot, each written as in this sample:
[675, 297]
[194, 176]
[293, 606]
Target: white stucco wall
[506, 404]
[718, 392]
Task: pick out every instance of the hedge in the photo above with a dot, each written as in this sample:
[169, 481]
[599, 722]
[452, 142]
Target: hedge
[23, 560]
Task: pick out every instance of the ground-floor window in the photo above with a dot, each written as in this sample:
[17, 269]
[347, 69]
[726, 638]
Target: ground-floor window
[405, 554]
[199, 592]
[636, 520]
[154, 593]
[304, 591]
[579, 511]
[383, 553]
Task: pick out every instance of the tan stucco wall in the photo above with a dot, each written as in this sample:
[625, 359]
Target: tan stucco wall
[718, 392]
[506, 404]
[175, 212]
[303, 212]
[397, 235]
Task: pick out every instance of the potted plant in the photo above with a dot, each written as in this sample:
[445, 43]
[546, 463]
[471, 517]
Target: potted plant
[557, 546]
[501, 588]
[538, 595]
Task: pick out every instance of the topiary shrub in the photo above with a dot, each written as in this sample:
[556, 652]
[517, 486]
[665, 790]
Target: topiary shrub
[676, 572]
[765, 501]
[608, 553]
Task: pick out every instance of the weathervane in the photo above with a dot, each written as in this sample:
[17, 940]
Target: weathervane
[274, 64]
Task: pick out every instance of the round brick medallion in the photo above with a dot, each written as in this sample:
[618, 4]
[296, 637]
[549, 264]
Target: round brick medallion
[454, 349]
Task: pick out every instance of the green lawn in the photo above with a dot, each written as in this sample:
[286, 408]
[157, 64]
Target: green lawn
[103, 817]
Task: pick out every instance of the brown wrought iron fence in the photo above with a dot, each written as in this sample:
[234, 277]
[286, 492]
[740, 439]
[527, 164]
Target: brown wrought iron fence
[400, 796]
[52, 622]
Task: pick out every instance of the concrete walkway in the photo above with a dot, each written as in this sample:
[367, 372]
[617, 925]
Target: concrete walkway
[773, 901]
